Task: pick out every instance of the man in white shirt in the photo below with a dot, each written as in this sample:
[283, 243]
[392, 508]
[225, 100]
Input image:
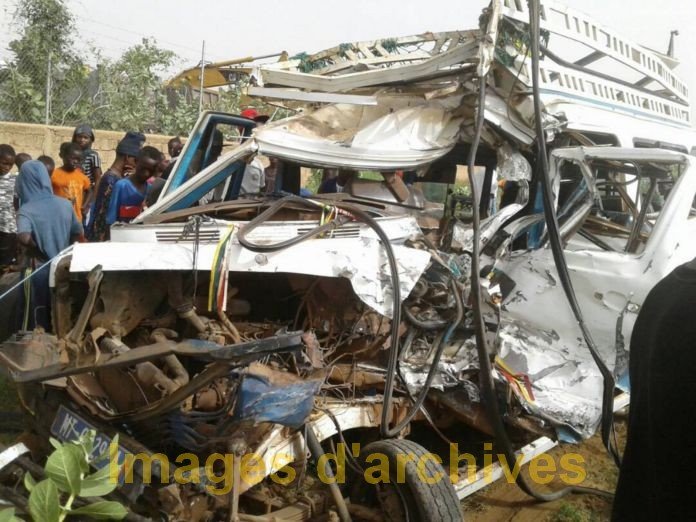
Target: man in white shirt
[254, 179]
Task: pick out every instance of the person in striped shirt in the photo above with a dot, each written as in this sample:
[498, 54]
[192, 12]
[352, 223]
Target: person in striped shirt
[83, 137]
[91, 162]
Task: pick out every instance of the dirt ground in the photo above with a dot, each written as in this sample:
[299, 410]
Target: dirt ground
[503, 502]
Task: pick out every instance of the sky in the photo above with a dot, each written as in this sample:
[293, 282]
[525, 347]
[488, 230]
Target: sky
[234, 29]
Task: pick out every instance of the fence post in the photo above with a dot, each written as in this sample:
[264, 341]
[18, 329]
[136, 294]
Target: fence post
[200, 94]
[48, 91]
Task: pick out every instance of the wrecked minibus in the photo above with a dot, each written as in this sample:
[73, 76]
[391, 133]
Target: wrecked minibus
[379, 326]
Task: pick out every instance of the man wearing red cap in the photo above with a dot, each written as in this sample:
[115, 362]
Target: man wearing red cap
[252, 114]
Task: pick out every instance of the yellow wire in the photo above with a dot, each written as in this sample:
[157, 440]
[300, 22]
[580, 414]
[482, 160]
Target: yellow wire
[216, 257]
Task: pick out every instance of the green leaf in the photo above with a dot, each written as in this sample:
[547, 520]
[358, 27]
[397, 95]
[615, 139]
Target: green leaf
[65, 467]
[87, 442]
[29, 482]
[98, 483]
[55, 443]
[8, 515]
[106, 510]
[44, 502]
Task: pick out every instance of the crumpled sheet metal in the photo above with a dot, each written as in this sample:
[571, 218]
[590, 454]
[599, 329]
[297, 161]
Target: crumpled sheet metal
[459, 356]
[399, 132]
[539, 336]
[463, 234]
[363, 261]
[512, 166]
[567, 385]
[447, 376]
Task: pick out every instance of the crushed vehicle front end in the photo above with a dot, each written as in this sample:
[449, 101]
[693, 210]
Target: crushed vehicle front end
[264, 325]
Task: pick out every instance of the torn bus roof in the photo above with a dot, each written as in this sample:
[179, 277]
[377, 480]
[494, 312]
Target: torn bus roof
[642, 81]
[400, 132]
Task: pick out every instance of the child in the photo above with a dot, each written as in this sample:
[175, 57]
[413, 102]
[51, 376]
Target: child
[46, 225]
[174, 147]
[48, 163]
[127, 152]
[68, 181]
[21, 158]
[91, 163]
[8, 223]
[129, 193]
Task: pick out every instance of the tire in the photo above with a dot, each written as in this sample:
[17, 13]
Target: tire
[422, 502]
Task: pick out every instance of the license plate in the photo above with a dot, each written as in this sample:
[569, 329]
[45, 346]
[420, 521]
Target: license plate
[69, 427]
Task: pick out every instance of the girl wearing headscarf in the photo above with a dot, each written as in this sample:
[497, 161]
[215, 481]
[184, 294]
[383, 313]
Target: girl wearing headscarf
[46, 225]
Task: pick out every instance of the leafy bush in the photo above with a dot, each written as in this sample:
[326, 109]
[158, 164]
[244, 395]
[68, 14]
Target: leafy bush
[69, 477]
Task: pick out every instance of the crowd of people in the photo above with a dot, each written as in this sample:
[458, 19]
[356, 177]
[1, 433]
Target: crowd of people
[45, 206]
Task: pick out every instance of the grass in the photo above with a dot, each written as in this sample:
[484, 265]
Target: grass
[570, 513]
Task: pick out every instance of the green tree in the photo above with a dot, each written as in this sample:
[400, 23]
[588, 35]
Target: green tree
[180, 113]
[46, 28]
[132, 95]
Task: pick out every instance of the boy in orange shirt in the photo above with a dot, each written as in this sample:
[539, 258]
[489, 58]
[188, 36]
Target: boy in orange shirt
[69, 181]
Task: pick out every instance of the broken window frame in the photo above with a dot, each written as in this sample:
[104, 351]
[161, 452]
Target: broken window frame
[644, 168]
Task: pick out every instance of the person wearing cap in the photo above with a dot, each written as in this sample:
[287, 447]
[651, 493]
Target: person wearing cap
[127, 151]
[134, 136]
[252, 114]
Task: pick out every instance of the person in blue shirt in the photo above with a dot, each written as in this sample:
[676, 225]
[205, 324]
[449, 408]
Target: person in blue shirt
[129, 193]
[46, 225]
[127, 152]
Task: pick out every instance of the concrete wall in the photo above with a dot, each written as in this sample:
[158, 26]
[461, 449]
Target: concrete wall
[36, 140]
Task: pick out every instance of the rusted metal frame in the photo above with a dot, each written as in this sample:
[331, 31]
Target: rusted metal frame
[202, 350]
[94, 279]
[634, 238]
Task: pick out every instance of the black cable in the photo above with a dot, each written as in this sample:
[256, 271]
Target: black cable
[361, 215]
[353, 463]
[487, 383]
[436, 324]
[271, 211]
[392, 370]
[556, 243]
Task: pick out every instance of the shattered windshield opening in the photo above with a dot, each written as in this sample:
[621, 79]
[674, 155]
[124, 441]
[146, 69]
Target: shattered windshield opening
[629, 200]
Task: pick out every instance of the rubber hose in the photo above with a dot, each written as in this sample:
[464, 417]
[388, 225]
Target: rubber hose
[487, 384]
[270, 212]
[393, 432]
[556, 244]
